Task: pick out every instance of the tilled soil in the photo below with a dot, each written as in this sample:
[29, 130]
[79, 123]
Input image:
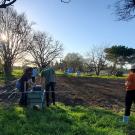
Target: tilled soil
[108, 93]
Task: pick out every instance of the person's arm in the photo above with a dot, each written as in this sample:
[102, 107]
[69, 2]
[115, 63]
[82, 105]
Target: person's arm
[31, 84]
[42, 80]
[127, 83]
[25, 86]
[55, 75]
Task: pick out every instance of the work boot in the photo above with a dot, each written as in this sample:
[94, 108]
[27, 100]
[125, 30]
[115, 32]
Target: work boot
[126, 119]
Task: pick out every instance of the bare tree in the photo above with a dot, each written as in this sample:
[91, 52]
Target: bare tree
[6, 3]
[14, 29]
[44, 49]
[125, 9]
[74, 60]
[96, 59]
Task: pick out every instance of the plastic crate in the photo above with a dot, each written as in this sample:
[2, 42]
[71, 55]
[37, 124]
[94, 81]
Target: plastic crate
[36, 98]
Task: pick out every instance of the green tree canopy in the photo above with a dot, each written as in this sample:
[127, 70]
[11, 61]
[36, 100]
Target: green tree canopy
[118, 53]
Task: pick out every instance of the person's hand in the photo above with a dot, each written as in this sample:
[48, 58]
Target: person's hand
[126, 83]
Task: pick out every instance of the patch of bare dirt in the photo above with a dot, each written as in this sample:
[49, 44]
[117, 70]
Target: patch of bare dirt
[108, 93]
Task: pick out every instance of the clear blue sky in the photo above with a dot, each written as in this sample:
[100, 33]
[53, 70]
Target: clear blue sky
[79, 24]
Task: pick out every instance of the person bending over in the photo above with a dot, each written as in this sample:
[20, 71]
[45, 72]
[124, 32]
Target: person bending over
[25, 81]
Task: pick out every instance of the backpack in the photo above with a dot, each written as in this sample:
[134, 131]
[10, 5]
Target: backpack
[18, 84]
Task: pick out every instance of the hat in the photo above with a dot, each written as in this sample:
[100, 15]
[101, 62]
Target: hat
[132, 66]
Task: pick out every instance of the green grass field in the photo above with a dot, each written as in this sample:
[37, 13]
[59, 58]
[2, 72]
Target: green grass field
[17, 73]
[90, 75]
[63, 120]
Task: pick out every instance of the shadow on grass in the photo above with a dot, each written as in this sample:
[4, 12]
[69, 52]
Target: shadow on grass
[62, 120]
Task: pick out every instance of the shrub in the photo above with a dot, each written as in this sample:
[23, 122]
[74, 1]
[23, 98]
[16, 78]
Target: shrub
[119, 73]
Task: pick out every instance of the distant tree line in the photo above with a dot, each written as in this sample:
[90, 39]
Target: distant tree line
[18, 40]
[109, 59]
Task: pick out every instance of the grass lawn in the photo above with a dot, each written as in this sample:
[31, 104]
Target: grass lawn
[63, 120]
[90, 75]
[17, 73]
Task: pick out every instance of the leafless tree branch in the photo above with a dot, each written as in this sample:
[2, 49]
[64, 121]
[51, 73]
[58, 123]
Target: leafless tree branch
[125, 9]
[65, 1]
[6, 3]
[96, 59]
[44, 49]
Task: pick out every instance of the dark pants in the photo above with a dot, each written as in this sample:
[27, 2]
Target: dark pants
[129, 99]
[23, 99]
[48, 86]
[33, 79]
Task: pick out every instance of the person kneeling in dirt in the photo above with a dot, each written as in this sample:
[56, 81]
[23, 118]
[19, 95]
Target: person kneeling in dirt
[25, 81]
[48, 75]
[130, 93]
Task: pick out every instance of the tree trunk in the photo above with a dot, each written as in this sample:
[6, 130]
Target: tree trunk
[98, 72]
[113, 68]
[7, 70]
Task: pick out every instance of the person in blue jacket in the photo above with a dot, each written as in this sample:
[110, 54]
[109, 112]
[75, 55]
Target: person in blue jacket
[25, 81]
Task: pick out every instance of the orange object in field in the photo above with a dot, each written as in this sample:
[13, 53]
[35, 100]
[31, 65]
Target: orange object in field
[130, 82]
